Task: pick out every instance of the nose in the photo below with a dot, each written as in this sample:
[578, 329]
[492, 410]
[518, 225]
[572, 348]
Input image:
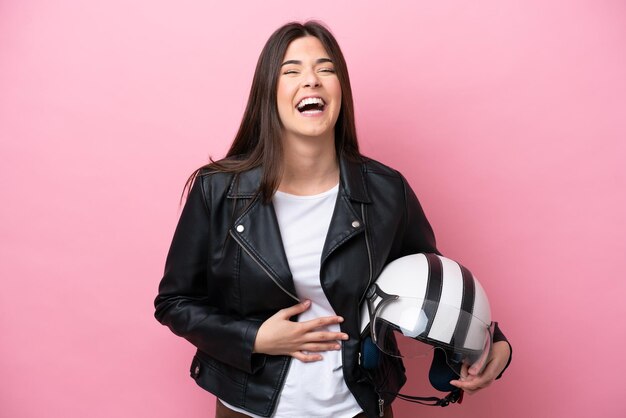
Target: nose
[311, 79]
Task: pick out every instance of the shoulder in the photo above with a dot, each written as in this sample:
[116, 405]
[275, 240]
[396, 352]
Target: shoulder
[218, 171]
[377, 170]
[210, 181]
[213, 181]
[387, 182]
[229, 178]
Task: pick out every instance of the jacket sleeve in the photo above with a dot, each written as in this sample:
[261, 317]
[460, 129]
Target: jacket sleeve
[419, 238]
[183, 300]
[499, 336]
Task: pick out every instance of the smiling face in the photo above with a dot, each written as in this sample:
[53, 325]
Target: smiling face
[308, 93]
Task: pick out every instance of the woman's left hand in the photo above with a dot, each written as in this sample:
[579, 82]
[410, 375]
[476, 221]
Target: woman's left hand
[471, 382]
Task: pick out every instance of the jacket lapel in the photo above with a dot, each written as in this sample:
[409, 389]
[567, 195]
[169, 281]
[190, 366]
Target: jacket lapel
[344, 224]
[346, 221]
[257, 231]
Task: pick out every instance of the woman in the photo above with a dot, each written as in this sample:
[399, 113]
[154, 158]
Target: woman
[279, 241]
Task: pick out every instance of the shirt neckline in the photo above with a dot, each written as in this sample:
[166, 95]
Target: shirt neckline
[330, 191]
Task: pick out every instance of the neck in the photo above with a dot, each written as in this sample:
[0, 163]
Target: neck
[311, 165]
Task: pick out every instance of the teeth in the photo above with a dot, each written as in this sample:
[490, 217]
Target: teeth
[310, 101]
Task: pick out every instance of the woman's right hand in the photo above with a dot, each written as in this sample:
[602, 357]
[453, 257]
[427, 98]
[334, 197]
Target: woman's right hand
[302, 340]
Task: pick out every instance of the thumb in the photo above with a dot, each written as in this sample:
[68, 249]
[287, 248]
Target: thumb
[477, 367]
[296, 309]
[473, 370]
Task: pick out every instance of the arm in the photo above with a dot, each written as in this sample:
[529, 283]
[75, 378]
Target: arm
[418, 234]
[500, 338]
[184, 303]
[419, 237]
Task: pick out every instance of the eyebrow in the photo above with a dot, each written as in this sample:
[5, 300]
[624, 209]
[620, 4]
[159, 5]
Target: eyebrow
[297, 62]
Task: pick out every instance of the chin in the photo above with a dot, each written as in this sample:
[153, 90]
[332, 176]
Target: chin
[315, 133]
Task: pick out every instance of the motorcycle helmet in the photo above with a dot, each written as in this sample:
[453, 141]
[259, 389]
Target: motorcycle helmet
[426, 304]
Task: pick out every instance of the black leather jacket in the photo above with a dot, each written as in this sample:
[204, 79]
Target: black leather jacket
[226, 272]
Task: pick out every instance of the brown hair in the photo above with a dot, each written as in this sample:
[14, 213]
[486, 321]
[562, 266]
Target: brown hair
[258, 140]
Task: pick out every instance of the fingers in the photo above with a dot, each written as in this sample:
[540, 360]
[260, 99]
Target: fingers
[471, 383]
[310, 352]
[329, 346]
[464, 371]
[302, 340]
[313, 323]
[325, 336]
[306, 357]
[471, 380]
[322, 322]
[462, 378]
[295, 309]
[477, 367]
[474, 369]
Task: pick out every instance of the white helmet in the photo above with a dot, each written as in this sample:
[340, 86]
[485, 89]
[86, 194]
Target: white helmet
[436, 302]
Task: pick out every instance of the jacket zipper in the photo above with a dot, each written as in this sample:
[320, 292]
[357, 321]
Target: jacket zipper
[271, 276]
[263, 268]
[369, 254]
[381, 401]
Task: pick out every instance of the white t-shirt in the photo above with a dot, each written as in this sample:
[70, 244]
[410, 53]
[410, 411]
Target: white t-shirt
[314, 389]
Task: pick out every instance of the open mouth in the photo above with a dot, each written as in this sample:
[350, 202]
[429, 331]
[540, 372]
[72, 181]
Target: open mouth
[311, 105]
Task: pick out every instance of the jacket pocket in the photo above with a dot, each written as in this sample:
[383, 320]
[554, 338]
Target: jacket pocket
[206, 369]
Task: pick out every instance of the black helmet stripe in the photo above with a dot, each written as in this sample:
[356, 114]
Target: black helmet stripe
[433, 289]
[467, 305]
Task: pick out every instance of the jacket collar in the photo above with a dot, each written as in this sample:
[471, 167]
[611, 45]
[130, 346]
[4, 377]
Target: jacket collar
[256, 229]
[352, 179]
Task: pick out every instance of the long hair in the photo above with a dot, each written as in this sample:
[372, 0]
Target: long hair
[258, 141]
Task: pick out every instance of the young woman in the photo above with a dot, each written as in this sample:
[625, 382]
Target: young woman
[278, 243]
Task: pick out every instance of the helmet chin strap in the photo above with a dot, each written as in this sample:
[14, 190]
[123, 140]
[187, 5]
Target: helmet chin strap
[456, 396]
[440, 375]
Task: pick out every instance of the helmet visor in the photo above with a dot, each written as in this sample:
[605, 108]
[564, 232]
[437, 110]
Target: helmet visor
[412, 327]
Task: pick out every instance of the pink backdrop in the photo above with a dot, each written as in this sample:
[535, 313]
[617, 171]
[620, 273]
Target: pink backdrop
[507, 117]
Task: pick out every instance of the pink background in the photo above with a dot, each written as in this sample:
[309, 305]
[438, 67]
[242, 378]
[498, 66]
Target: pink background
[507, 117]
